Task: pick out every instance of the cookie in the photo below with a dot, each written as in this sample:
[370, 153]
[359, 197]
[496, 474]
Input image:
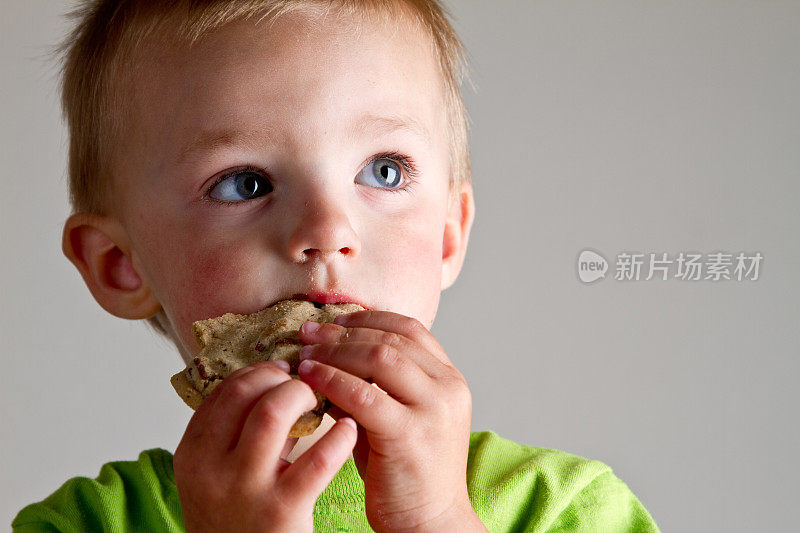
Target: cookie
[230, 342]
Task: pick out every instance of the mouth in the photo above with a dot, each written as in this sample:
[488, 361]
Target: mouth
[320, 298]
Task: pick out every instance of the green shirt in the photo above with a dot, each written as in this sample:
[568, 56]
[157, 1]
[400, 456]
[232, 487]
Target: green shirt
[511, 487]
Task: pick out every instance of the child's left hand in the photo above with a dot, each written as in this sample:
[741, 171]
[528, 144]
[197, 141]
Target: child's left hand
[413, 441]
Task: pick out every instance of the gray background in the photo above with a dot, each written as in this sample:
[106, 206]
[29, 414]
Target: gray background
[618, 126]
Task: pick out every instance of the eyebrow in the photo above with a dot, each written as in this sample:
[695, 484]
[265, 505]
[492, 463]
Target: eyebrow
[386, 124]
[369, 124]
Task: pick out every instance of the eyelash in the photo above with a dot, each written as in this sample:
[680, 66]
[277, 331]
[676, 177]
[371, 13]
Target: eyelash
[407, 163]
[409, 166]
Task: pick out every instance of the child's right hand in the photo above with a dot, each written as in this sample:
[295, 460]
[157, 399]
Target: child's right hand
[230, 466]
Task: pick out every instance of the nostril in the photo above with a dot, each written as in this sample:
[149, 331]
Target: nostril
[311, 251]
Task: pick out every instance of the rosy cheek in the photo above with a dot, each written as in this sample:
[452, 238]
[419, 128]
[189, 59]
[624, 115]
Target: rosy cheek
[204, 287]
[410, 258]
[419, 243]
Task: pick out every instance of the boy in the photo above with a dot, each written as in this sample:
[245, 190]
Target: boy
[228, 155]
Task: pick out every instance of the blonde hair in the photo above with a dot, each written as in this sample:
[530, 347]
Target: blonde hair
[100, 50]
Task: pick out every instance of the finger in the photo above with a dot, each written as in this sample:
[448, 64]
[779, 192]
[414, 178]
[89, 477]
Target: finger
[402, 325]
[235, 397]
[375, 410]
[268, 423]
[334, 333]
[315, 469]
[392, 369]
[197, 423]
[361, 449]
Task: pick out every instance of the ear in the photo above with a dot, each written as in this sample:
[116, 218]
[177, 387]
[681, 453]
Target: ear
[460, 213]
[99, 248]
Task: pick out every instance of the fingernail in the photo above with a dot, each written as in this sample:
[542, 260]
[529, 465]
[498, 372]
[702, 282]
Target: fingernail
[305, 366]
[349, 421]
[283, 364]
[305, 351]
[340, 319]
[310, 327]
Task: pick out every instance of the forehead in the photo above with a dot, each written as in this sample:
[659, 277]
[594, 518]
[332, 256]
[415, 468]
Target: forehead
[320, 71]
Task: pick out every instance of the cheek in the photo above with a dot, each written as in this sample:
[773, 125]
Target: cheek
[417, 253]
[210, 281]
[411, 259]
[202, 284]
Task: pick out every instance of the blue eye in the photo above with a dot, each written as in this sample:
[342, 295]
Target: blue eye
[384, 172]
[240, 186]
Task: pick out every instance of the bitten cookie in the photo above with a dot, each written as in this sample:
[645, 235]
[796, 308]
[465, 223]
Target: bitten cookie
[230, 342]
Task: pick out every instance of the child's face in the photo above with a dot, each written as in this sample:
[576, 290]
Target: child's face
[290, 110]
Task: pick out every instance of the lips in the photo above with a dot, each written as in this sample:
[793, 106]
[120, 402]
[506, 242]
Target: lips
[327, 297]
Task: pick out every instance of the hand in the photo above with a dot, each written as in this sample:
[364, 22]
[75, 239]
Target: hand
[231, 468]
[413, 439]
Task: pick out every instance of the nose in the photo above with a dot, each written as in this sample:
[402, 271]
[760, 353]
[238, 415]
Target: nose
[323, 232]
